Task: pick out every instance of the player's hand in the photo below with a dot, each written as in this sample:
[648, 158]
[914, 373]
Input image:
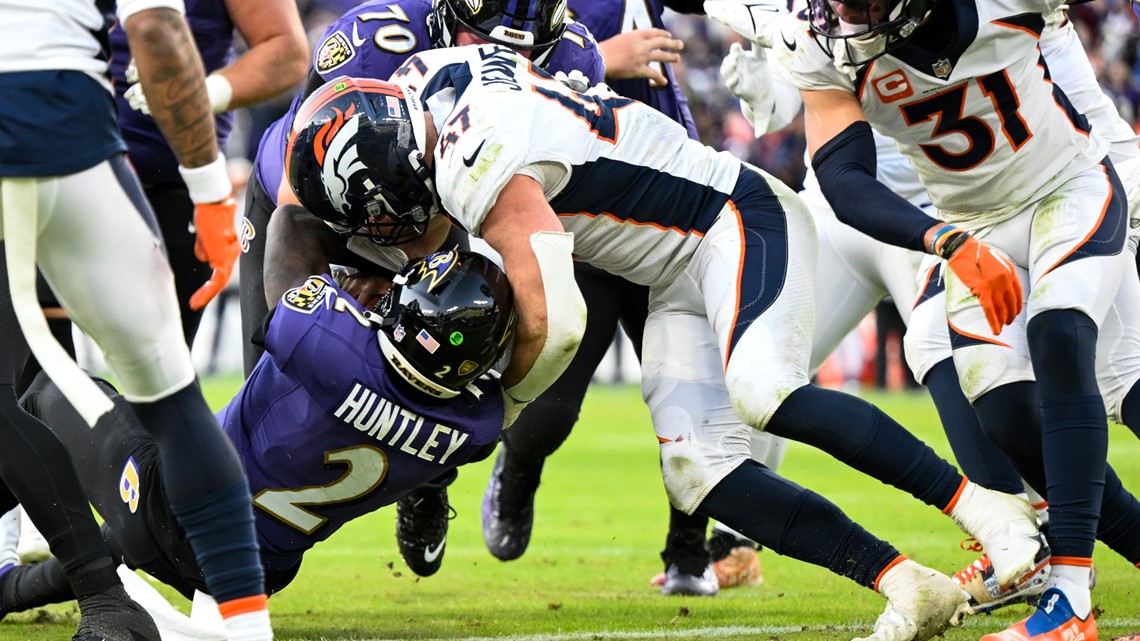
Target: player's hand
[640, 53]
[991, 277]
[136, 99]
[745, 73]
[753, 19]
[217, 245]
[576, 80]
[367, 288]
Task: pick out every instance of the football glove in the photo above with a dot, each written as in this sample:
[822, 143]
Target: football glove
[576, 80]
[989, 275]
[217, 245]
[745, 73]
[218, 90]
[756, 21]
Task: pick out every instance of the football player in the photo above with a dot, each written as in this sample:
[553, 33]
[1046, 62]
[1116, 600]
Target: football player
[389, 398]
[72, 206]
[857, 271]
[638, 53]
[541, 172]
[372, 41]
[963, 90]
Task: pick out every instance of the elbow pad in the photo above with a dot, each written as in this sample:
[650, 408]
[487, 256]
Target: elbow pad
[565, 314]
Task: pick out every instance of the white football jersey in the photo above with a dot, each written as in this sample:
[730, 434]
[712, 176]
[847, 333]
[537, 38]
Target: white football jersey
[635, 190]
[37, 35]
[982, 124]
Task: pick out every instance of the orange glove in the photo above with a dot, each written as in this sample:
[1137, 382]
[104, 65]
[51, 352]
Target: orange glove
[217, 245]
[989, 275]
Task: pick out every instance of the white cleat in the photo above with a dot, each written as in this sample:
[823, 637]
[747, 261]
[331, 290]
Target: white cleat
[921, 603]
[1005, 525]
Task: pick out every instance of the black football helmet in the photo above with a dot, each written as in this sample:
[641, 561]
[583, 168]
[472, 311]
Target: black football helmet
[355, 159]
[889, 24]
[446, 320]
[523, 25]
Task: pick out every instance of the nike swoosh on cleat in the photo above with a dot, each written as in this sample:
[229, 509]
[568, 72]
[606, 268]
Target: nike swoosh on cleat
[431, 555]
[470, 160]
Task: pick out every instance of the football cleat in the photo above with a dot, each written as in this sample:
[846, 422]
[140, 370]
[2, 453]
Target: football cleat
[985, 594]
[421, 528]
[508, 508]
[735, 560]
[1006, 527]
[684, 583]
[1054, 620]
[921, 603]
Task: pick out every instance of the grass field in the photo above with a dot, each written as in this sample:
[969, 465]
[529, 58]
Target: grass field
[601, 518]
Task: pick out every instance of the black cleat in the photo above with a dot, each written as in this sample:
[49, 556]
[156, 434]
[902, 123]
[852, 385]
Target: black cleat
[421, 527]
[112, 615]
[508, 508]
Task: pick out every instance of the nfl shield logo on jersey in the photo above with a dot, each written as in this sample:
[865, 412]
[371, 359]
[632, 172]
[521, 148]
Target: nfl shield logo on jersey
[942, 68]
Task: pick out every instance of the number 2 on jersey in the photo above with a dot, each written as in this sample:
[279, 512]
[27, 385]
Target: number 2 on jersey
[946, 107]
[367, 468]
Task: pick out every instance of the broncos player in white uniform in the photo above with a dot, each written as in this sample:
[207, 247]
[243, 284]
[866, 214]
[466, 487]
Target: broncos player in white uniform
[964, 91]
[540, 172]
[858, 271]
[73, 206]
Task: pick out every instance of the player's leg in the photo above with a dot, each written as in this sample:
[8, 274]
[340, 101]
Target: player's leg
[508, 503]
[36, 470]
[174, 212]
[139, 331]
[259, 207]
[706, 466]
[764, 346]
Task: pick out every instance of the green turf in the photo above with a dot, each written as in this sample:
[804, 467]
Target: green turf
[601, 518]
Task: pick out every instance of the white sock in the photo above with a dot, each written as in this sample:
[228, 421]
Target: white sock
[1073, 580]
[249, 626]
[10, 537]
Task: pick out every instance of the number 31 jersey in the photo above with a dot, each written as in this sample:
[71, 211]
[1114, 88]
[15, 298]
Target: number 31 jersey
[981, 121]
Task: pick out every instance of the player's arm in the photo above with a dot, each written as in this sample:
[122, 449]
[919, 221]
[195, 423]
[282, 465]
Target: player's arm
[842, 152]
[170, 70]
[277, 58]
[537, 254]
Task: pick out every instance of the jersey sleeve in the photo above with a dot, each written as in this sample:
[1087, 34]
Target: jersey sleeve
[474, 165]
[578, 50]
[297, 312]
[801, 59]
[372, 40]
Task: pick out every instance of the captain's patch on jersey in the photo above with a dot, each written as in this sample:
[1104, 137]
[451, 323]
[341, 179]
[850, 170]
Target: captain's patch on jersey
[307, 297]
[334, 52]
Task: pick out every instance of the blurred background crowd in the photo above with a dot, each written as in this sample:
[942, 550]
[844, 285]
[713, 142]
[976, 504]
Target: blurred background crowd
[1108, 29]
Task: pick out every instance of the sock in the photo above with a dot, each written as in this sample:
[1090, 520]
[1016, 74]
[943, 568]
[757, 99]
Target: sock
[978, 458]
[247, 619]
[1071, 576]
[31, 586]
[862, 436]
[796, 522]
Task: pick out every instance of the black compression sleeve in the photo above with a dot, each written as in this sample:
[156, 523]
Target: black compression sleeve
[845, 168]
[690, 6]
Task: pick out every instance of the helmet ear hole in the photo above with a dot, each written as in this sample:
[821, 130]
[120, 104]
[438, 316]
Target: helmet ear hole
[448, 318]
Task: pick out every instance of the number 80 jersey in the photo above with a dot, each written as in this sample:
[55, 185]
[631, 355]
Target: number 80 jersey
[980, 120]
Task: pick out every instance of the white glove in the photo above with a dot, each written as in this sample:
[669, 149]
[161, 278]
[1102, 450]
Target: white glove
[601, 90]
[218, 90]
[751, 19]
[747, 76]
[576, 80]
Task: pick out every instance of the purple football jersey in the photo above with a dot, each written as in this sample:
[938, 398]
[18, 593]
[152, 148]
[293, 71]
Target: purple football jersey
[375, 39]
[149, 152]
[608, 18]
[328, 432]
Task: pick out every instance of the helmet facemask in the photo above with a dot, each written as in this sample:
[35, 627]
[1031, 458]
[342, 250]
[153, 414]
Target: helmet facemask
[854, 44]
[536, 28]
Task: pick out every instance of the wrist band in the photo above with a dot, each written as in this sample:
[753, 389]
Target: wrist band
[220, 91]
[952, 242]
[208, 183]
[939, 234]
